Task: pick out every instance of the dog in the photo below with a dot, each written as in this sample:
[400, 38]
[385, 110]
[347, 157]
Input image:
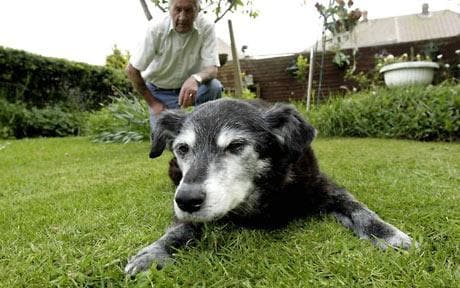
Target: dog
[249, 163]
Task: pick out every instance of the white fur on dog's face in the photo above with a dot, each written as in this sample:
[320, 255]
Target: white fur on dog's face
[229, 180]
[187, 137]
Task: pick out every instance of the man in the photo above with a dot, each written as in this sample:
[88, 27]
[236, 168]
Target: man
[176, 63]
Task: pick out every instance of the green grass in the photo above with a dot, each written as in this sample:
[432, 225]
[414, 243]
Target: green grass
[72, 212]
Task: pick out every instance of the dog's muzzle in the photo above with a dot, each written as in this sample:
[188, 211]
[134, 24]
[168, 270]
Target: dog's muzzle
[190, 197]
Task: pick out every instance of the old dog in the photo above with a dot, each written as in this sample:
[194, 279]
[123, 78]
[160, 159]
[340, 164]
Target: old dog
[252, 164]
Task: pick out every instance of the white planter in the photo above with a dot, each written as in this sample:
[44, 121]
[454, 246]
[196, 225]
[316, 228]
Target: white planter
[409, 73]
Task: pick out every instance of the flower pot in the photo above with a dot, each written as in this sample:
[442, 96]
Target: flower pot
[223, 57]
[409, 73]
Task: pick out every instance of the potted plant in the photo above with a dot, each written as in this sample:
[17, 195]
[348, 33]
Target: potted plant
[223, 57]
[401, 71]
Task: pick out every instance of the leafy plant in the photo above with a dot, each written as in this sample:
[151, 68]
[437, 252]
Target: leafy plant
[124, 120]
[302, 68]
[339, 17]
[364, 80]
[383, 60]
[341, 59]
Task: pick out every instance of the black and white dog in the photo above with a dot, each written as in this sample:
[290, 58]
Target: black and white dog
[249, 163]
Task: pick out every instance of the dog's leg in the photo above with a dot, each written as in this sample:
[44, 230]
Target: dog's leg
[160, 251]
[365, 223]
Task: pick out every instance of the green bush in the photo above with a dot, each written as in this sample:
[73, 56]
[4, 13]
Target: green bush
[42, 81]
[51, 122]
[18, 121]
[124, 120]
[418, 113]
[12, 118]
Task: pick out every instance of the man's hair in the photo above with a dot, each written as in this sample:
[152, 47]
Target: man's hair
[196, 2]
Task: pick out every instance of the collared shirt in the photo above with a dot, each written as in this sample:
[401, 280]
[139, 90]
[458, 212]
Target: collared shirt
[167, 58]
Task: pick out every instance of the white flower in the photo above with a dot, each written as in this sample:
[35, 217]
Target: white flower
[457, 51]
[439, 57]
[447, 65]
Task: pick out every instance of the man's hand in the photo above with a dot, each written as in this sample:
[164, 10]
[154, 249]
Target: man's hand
[157, 107]
[188, 93]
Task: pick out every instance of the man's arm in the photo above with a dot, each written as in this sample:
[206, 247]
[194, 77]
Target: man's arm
[139, 85]
[189, 89]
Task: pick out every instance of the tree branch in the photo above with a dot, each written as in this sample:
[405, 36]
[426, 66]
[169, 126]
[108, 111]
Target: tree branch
[226, 11]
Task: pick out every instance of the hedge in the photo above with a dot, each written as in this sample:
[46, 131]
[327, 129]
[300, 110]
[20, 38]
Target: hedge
[41, 81]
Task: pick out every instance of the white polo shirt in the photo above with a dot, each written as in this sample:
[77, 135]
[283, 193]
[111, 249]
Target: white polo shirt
[167, 58]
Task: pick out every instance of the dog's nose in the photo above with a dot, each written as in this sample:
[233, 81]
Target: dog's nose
[190, 198]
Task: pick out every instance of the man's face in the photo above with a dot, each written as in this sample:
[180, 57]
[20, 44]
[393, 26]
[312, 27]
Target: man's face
[183, 13]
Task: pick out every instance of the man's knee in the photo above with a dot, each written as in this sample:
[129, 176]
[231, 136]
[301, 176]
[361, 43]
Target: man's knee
[215, 89]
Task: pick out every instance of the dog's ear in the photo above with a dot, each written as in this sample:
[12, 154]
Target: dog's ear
[294, 133]
[165, 130]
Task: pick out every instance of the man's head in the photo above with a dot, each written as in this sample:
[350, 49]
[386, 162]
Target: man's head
[183, 14]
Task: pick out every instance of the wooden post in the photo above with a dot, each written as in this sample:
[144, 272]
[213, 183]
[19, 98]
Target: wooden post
[310, 76]
[236, 63]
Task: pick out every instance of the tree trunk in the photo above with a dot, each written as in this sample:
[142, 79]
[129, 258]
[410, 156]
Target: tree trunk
[146, 10]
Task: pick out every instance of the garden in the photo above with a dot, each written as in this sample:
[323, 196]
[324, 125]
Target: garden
[79, 193]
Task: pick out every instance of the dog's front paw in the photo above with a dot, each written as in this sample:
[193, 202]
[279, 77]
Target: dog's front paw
[142, 261]
[398, 240]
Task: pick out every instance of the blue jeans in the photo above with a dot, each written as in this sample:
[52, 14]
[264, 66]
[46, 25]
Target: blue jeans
[208, 91]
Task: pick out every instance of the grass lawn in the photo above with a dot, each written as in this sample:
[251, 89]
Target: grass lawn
[72, 212]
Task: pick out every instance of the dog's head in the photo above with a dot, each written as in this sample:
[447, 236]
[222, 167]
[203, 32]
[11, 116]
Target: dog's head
[225, 149]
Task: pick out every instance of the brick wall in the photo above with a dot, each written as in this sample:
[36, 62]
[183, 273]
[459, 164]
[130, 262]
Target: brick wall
[276, 84]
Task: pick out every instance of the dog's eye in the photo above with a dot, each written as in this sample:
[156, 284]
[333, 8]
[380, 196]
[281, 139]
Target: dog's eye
[182, 149]
[235, 146]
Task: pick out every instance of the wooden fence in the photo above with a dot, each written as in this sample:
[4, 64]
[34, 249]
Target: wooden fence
[274, 83]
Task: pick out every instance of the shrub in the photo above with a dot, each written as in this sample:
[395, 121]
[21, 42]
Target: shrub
[12, 118]
[52, 121]
[18, 121]
[417, 113]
